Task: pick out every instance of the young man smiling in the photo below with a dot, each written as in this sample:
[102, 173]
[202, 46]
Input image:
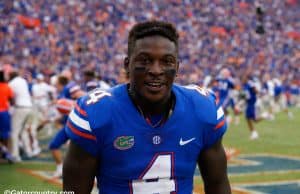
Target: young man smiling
[147, 136]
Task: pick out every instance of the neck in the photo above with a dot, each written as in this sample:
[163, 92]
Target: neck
[154, 108]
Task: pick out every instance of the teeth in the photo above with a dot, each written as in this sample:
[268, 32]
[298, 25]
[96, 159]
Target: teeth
[154, 84]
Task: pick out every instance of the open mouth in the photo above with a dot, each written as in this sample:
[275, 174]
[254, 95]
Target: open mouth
[154, 86]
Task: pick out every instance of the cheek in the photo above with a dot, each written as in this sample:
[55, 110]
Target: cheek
[137, 79]
[170, 73]
[138, 70]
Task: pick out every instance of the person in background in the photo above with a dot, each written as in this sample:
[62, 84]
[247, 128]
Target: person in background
[6, 98]
[22, 111]
[90, 81]
[268, 96]
[224, 86]
[70, 91]
[250, 95]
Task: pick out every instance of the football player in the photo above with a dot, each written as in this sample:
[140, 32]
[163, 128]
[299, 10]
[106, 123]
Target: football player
[149, 135]
[66, 90]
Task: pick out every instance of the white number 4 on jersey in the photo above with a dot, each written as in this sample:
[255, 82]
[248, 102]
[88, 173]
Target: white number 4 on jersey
[157, 178]
[96, 95]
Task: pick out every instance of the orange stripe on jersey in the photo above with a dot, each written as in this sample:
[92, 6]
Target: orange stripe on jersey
[81, 134]
[80, 110]
[220, 124]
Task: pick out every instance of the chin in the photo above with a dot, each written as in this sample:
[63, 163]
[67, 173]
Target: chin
[155, 98]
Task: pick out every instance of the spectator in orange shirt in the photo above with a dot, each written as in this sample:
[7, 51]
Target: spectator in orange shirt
[6, 98]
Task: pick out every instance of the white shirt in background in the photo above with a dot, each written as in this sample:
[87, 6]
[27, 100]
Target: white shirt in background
[41, 92]
[21, 92]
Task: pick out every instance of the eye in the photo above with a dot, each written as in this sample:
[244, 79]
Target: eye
[146, 61]
[169, 62]
[143, 60]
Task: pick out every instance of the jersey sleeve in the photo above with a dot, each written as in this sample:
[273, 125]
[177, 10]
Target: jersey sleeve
[211, 118]
[216, 126]
[79, 130]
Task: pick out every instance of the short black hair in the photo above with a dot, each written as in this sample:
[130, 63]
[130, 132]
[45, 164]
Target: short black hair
[151, 28]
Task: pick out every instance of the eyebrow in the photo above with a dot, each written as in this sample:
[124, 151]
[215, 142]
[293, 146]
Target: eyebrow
[169, 55]
[142, 54]
[147, 54]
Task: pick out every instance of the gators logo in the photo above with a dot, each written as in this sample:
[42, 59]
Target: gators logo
[124, 142]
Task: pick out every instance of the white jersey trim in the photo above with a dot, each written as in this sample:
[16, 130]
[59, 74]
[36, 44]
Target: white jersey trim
[79, 121]
[220, 113]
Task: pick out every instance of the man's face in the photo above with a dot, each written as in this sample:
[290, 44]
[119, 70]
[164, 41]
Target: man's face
[152, 67]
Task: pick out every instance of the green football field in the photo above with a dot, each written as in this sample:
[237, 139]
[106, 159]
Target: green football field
[268, 164]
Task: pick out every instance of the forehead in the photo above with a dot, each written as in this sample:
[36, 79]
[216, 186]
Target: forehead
[155, 45]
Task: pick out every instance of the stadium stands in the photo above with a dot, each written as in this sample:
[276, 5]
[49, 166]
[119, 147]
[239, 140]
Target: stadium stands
[243, 35]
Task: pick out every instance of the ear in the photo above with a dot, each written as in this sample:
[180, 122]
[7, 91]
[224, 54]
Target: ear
[126, 64]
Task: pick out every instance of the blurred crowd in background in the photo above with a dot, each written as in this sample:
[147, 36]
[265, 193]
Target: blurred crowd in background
[246, 51]
[246, 36]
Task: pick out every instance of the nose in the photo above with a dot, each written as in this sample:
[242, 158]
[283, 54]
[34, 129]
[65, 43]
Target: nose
[155, 69]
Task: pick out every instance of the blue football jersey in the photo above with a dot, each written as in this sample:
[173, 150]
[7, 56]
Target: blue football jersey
[223, 88]
[136, 158]
[250, 91]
